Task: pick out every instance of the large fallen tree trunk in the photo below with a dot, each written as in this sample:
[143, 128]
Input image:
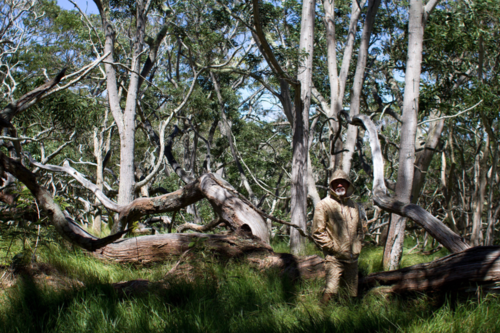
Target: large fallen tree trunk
[163, 247]
[477, 265]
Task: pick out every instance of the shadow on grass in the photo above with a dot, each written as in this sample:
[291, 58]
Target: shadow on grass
[225, 298]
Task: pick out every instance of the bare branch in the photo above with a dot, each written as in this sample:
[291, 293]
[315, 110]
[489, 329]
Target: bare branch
[65, 226]
[148, 178]
[455, 115]
[199, 228]
[431, 224]
[82, 180]
[429, 7]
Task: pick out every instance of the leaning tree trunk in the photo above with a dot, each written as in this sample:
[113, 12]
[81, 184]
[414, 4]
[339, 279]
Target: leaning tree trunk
[431, 224]
[239, 216]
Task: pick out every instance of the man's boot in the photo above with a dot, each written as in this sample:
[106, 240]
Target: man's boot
[326, 298]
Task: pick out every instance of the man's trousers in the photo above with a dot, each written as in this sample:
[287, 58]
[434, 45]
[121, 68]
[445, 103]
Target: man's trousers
[337, 272]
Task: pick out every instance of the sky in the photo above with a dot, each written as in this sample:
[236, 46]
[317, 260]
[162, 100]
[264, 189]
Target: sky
[88, 7]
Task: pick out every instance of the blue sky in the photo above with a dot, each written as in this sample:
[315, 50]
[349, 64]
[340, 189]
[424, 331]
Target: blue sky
[88, 7]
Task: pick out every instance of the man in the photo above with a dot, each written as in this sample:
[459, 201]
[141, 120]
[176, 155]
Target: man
[338, 229]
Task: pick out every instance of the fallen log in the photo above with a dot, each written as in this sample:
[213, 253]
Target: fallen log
[163, 247]
[477, 265]
[157, 248]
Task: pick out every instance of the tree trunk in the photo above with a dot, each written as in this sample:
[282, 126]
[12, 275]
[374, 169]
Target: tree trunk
[490, 230]
[474, 266]
[301, 129]
[163, 247]
[96, 225]
[159, 248]
[125, 119]
[424, 157]
[480, 170]
[357, 87]
[338, 82]
[394, 246]
[432, 225]
[312, 191]
[127, 170]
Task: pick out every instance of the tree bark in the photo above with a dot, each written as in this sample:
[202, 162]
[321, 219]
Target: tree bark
[477, 202]
[96, 224]
[163, 247]
[359, 76]
[159, 248]
[474, 266]
[312, 191]
[301, 129]
[432, 225]
[490, 219]
[338, 82]
[424, 158]
[418, 14]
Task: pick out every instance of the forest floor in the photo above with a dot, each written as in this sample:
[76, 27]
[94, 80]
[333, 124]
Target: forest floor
[66, 290]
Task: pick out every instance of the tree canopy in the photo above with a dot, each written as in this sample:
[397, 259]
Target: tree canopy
[146, 98]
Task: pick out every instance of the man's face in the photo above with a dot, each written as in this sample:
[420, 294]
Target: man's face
[340, 186]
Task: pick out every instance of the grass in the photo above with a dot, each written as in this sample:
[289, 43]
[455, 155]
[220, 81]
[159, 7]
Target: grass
[223, 297]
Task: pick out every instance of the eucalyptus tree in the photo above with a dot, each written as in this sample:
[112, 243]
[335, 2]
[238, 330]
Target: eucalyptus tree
[418, 13]
[451, 69]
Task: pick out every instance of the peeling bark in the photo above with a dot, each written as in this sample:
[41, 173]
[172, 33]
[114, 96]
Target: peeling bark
[167, 246]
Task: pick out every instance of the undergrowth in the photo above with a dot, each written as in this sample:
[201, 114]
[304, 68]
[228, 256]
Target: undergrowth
[223, 297]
